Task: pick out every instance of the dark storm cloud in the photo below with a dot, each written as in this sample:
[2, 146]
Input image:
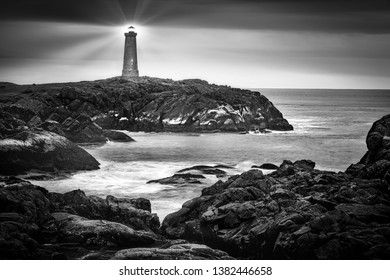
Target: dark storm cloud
[329, 16]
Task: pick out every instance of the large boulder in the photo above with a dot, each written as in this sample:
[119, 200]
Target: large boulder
[42, 150]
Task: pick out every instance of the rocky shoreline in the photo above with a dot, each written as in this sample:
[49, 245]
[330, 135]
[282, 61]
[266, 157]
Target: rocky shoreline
[295, 212]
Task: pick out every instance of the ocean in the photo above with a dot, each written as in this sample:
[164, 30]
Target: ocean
[330, 127]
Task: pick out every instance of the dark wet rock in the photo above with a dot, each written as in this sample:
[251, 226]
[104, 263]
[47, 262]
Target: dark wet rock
[296, 212]
[132, 212]
[9, 124]
[266, 166]
[59, 114]
[179, 179]
[32, 228]
[42, 150]
[174, 250]
[357, 170]
[117, 136]
[378, 140]
[205, 169]
[34, 122]
[25, 199]
[378, 169]
[18, 112]
[375, 164]
[23, 207]
[53, 126]
[83, 130]
[280, 124]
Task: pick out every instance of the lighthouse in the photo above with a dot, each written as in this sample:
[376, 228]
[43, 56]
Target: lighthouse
[130, 63]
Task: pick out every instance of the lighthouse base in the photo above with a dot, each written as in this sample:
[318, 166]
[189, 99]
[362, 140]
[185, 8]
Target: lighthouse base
[130, 74]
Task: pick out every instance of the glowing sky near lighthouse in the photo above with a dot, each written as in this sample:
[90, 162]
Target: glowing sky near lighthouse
[296, 44]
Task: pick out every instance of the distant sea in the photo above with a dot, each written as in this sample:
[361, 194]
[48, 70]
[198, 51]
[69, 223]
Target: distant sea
[330, 127]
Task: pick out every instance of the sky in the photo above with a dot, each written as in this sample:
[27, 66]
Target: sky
[242, 43]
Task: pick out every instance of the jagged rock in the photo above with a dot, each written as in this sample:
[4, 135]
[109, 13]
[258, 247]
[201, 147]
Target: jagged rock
[42, 150]
[53, 126]
[30, 230]
[25, 199]
[296, 212]
[23, 207]
[9, 124]
[83, 130]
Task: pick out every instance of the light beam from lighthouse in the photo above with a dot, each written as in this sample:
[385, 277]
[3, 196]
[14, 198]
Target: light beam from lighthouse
[130, 62]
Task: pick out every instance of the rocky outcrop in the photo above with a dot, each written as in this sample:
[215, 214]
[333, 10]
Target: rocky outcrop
[42, 150]
[81, 111]
[37, 224]
[296, 212]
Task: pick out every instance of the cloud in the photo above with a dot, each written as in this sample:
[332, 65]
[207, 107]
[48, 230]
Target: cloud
[302, 15]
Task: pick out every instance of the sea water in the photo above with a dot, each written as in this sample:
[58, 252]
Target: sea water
[330, 127]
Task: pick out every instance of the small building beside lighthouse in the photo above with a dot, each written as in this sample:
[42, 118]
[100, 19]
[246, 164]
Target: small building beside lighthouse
[130, 62]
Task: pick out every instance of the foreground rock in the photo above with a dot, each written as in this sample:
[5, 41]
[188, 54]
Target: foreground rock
[296, 212]
[37, 224]
[135, 213]
[84, 111]
[42, 150]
